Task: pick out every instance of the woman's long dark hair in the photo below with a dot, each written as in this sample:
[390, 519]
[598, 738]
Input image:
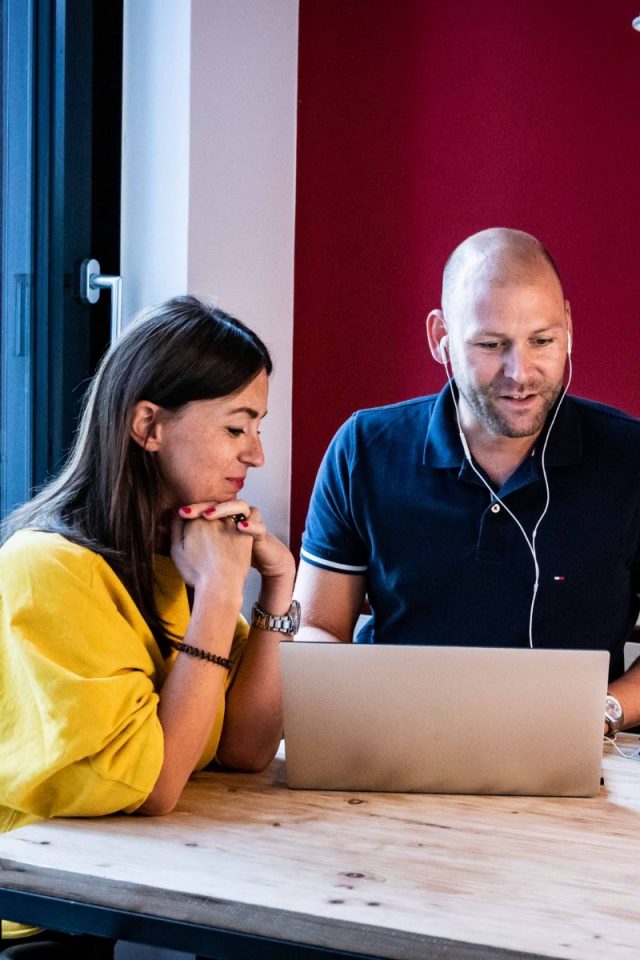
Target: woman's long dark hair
[107, 495]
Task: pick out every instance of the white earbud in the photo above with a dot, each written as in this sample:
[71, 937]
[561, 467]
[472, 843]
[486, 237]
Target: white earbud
[444, 344]
[569, 342]
[465, 447]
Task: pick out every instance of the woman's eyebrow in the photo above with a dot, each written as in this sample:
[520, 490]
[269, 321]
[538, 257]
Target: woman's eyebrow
[254, 414]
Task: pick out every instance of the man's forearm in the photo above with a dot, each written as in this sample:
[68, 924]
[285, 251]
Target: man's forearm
[330, 604]
[310, 634]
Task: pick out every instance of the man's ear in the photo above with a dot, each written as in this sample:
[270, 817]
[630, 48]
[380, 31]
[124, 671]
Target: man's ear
[146, 428]
[436, 332]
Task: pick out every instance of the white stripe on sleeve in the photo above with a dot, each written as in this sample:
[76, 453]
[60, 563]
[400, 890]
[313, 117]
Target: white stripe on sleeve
[331, 563]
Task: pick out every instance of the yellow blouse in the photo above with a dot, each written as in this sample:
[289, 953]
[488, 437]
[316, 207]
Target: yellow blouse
[80, 674]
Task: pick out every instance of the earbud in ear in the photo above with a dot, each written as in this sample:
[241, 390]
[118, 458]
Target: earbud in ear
[569, 343]
[444, 352]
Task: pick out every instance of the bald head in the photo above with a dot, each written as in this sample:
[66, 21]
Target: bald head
[504, 331]
[500, 257]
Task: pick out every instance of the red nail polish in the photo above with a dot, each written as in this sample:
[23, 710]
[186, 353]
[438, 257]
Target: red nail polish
[210, 512]
[185, 509]
[244, 524]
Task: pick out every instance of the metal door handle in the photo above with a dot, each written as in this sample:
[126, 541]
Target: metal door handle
[92, 281]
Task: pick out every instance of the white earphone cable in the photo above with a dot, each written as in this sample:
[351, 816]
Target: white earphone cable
[633, 754]
[531, 543]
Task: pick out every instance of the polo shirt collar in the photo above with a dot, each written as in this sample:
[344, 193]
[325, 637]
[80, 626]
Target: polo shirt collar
[565, 441]
[443, 447]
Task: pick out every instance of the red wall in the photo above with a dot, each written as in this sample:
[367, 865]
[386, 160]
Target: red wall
[422, 121]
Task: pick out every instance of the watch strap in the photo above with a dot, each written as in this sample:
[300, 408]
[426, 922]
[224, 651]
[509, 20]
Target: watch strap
[287, 623]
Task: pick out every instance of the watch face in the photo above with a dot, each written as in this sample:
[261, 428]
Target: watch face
[613, 710]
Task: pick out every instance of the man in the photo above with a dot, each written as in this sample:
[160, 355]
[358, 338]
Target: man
[436, 508]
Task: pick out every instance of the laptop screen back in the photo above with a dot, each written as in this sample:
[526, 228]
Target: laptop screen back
[444, 719]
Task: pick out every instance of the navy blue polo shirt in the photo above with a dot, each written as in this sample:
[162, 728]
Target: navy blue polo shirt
[396, 500]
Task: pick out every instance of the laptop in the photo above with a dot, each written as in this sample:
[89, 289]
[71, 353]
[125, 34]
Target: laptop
[416, 719]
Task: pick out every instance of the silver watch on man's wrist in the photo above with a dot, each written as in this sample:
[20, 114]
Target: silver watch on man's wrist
[288, 623]
[613, 714]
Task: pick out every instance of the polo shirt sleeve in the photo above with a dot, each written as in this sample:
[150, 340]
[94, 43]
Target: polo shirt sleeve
[332, 539]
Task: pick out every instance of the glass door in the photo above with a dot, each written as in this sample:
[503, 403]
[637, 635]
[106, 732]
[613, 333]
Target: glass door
[61, 145]
[17, 251]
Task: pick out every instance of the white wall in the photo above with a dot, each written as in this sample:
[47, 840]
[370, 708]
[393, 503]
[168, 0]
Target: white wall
[210, 90]
[244, 59]
[155, 151]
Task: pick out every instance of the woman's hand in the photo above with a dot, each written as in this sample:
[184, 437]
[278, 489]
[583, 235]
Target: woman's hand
[273, 561]
[269, 556]
[212, 554]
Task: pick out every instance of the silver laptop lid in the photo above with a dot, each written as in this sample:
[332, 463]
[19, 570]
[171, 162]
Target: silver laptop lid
[443, 719]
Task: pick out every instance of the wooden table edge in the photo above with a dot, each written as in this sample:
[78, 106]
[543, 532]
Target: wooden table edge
[122, 911]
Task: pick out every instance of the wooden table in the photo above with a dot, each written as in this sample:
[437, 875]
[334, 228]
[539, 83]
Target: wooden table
[245, 867]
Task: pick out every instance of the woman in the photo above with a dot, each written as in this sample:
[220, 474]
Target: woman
[125, 662]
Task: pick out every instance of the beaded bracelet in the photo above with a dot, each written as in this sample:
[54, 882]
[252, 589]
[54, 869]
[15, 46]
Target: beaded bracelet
[202, 654]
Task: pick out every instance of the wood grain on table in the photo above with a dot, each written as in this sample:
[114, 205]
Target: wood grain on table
[365, 872]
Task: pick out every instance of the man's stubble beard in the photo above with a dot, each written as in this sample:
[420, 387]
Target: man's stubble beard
[480, 401]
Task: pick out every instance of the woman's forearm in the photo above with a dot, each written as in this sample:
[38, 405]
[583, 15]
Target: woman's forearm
[191, 697]
[253, 719]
